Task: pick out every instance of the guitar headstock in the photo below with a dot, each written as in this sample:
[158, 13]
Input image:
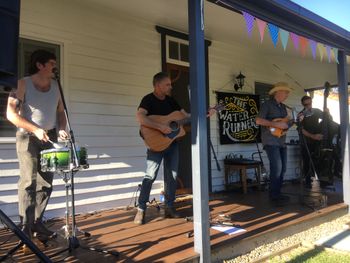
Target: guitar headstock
[219, 107]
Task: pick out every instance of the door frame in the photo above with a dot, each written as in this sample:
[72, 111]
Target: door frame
[168, 32]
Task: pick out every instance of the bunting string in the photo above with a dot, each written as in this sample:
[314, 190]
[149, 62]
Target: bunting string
[301, 44]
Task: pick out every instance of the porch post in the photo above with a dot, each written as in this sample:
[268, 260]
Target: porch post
[344, 120]
[199, 130]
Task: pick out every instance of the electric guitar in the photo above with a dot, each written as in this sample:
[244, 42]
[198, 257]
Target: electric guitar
[280, 132]
[155, 140]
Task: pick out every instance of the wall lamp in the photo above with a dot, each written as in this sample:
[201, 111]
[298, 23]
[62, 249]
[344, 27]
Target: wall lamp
[239, 82]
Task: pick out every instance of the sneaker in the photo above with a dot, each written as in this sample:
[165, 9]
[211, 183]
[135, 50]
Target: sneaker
[170, 212]
[42, 232]
[28, 232]
[139, 217]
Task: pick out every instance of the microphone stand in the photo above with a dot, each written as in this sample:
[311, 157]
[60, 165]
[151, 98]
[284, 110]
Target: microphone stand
[73, 241]
[313, 198]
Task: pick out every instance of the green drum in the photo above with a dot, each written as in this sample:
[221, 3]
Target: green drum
[53, 160]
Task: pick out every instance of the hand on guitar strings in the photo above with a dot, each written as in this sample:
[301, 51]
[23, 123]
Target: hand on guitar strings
[165, 129]
[281, 125]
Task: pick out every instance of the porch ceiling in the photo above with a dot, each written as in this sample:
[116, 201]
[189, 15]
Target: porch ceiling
[221, 25]
[173, 14]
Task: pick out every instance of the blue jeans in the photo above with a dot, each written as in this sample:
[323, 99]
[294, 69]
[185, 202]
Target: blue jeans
[154, 159]
[278, 165]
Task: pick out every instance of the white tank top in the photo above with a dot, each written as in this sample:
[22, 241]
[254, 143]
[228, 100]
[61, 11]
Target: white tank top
[40, 107]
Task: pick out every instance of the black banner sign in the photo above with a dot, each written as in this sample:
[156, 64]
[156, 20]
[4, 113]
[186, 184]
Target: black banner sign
[237, 120]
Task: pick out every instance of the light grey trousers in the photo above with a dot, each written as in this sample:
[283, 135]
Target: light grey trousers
[34, 186]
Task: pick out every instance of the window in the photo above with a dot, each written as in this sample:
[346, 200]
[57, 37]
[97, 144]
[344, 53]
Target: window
[25, 49]
[177, 51]
[262, 89]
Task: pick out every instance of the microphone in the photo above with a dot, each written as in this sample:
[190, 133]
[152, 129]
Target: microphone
[55, 72]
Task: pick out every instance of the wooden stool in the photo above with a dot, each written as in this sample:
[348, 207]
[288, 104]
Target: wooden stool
[242, 165]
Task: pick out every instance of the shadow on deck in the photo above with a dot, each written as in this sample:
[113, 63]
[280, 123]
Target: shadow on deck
[167, 240]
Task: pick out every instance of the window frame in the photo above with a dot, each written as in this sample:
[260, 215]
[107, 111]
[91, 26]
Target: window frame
[179, 41]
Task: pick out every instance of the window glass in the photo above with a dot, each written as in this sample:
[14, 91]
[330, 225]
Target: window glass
[184, 52]
[262, 89]
[173, 50]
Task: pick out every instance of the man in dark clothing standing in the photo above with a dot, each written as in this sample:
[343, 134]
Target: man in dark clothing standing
[273, 117]
[311, 130]
[159, 102]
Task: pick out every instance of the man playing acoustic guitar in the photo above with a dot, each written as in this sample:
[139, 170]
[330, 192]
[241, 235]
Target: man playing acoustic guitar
[152, 115]
[275, 145]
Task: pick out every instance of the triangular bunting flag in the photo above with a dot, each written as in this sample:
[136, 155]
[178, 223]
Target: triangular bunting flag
[321, 50]
[261, 26]
[284, 35]
[273, 33]
[313, 46]
[303, 45]
[249, 20]
[295, 39]
[335, 51]
[328, 49]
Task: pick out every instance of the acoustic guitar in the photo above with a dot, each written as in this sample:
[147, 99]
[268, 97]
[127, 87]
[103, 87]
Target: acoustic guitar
[277, 131]
[155, 140]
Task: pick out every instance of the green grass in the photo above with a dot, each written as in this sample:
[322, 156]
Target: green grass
[316, 255]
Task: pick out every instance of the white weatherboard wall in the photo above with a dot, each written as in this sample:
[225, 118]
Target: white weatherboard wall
[108, 64]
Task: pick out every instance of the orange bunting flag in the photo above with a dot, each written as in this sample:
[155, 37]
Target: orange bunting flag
[303, 45]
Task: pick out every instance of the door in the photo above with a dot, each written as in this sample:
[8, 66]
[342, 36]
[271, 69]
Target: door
[180, 81]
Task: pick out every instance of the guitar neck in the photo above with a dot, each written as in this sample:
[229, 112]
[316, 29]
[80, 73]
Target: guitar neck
[184, 121]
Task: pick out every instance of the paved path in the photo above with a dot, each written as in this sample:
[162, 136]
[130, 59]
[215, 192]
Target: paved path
[339, 240]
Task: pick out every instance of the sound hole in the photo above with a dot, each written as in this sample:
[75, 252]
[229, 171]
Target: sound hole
[174, 126]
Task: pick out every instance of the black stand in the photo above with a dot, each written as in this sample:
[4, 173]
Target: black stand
[313, 198]
[304, 145]
[24, 240]
[214, 155]
[73, 242]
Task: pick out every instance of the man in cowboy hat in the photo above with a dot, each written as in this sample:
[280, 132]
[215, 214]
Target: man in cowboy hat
[275, 147]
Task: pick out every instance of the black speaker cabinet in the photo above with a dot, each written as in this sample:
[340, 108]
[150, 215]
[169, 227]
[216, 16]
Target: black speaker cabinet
[9, 31]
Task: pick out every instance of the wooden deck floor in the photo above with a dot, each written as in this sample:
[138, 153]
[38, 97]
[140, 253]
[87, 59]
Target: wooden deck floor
[166, 240]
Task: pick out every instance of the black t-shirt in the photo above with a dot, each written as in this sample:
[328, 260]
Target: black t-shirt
[311, 121]
[155, 106]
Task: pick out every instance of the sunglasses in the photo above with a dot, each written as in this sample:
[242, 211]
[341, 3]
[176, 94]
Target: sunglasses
[307, 104]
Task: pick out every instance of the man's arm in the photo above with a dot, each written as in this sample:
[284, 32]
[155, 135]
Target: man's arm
[267, 123]
[141, 116]
[316, 137]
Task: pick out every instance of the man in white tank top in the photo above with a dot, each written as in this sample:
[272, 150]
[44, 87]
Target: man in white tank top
[37, 110]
